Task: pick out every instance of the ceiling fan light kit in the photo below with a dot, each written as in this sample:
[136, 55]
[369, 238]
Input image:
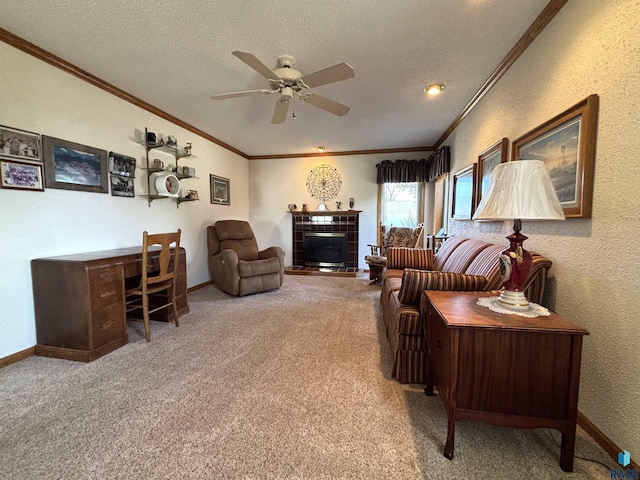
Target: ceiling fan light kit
[290, 83]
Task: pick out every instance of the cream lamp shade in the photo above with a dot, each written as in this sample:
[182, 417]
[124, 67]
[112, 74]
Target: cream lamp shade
[519, 190]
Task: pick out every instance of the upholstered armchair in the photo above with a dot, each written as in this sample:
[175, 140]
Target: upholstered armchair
[391, 237]
[236, 265]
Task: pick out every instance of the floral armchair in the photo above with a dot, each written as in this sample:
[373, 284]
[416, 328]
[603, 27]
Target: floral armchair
[409, 237]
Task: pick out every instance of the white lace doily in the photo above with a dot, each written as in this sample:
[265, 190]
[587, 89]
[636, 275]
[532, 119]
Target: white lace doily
[533, 311]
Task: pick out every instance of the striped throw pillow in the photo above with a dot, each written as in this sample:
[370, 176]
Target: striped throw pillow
[403, 257]
[414, 282]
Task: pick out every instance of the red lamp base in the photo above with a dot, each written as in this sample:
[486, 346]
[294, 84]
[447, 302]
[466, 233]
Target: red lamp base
[513, 300]
[515, 265]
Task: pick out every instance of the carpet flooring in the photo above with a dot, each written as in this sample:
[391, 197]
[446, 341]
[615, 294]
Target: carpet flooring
[288, 384]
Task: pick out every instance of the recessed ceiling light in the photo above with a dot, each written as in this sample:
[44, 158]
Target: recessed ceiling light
[321, 148]
[434, 89]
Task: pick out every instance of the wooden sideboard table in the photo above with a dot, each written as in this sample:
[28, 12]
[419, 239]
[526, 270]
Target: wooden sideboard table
[503, 369]
[79, 300]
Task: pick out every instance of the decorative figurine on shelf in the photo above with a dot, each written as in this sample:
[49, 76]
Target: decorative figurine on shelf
[171, 141]
[187, 149]
[304, 208]
[193, 194]
[292, 207]
[351, 203]
[171, 167]
[338, 205]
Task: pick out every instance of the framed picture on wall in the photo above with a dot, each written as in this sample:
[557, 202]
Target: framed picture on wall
[21, 175]
[220, 190]
[487, 162]
[72, 166]
[122, 186]
[122, 165]
[20, 144]
[566, 144]
[463, 193]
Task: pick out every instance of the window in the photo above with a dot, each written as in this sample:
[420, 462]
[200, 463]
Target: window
[401, 204]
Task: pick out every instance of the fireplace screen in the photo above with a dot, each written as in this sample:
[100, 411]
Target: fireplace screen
[323, 249]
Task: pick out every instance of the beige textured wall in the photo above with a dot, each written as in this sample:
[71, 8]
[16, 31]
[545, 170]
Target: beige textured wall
[590, 47]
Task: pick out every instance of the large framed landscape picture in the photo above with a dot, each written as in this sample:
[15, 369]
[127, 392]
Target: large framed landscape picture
[488, 160]
[72, 166]
[464, 183]
[566, 144]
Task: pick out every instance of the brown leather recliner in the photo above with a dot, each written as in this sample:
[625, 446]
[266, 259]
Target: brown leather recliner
[236, 265]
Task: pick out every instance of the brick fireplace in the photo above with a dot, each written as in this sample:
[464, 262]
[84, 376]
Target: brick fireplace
[325, 238]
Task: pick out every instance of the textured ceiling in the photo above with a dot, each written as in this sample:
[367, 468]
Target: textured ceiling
[175, 55]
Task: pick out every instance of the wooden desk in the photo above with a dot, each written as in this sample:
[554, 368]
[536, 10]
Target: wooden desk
[503, 369]
[79, 301]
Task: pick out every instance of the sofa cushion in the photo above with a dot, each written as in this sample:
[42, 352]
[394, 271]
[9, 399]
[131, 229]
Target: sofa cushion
[463, 256]
[445, 251]
[258, 267]
[376, 260]
[487, 263]
[402, 257]
[414, 282]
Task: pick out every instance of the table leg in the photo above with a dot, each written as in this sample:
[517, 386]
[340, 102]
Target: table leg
[451, 431]
[428, 390]
[567, 448]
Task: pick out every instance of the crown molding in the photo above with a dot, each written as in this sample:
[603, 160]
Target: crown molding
[341, 153]
[547, 14]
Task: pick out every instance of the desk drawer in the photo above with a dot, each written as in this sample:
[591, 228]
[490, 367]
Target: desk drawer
[106, 286]
[107, 323]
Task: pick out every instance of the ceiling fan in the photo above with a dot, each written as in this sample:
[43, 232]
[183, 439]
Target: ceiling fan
[290, 83]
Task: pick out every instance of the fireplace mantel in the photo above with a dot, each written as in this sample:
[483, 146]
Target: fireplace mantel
[325, 213]
[332, 221]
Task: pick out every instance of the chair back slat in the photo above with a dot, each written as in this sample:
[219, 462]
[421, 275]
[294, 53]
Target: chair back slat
[167, 260]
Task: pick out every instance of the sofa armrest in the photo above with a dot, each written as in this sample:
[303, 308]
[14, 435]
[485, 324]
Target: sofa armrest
[277, 252]
[272, 252]
[534, 287]
[224, 270]
[404, 257]
[414, 282]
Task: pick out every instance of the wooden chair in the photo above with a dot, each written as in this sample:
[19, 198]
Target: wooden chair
[391, 237]
[156, 279]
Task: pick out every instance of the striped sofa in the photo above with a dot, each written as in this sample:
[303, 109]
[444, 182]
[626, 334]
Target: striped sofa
[461, 264]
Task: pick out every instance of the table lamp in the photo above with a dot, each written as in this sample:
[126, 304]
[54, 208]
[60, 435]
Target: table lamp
[519, 190]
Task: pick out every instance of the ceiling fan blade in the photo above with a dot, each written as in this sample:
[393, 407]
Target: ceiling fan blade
[256, 64]
[280, 112]
[223, 96]
[326, 104]
[337, 73]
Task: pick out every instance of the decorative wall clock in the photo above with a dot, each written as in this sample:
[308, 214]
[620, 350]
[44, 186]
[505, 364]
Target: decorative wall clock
[324, 183]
